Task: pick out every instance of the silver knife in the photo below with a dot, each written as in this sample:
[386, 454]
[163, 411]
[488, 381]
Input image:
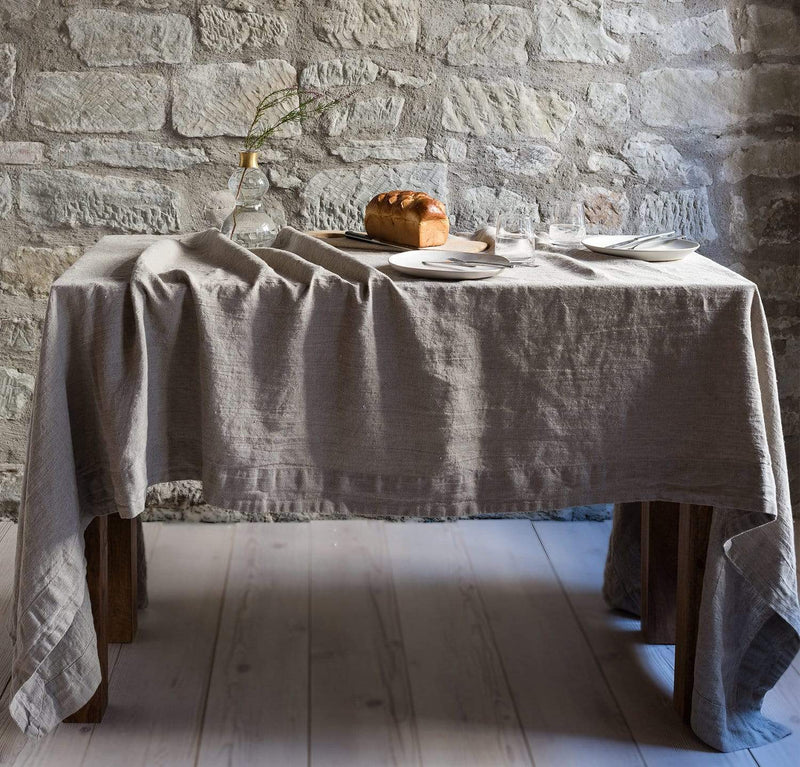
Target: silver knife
[366, 238]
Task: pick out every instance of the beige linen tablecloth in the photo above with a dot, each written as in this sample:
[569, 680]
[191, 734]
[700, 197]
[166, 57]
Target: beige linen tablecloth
[303, 379]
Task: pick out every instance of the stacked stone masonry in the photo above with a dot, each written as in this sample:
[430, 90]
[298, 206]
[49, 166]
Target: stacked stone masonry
[125, 116]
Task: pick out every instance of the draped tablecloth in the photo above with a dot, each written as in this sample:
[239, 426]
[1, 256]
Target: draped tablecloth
[307, 380]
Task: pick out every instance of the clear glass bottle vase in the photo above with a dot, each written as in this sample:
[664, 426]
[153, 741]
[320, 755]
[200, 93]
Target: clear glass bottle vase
[248, 224]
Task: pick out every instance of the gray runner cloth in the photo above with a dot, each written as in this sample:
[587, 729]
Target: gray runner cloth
[308, 380]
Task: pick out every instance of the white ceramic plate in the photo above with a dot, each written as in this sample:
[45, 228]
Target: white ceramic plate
[667, 251]
[410, 262]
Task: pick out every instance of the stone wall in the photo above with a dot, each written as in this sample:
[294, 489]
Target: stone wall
[122, 116]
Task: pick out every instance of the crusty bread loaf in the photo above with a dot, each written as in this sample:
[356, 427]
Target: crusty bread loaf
[407, 218]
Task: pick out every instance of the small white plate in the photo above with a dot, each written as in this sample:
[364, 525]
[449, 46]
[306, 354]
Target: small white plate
[666, 251]
[411, 262]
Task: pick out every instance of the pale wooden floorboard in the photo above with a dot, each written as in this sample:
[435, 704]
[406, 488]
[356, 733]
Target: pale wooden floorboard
[158, 691]
[461, 616]
[567, 712]
[8, 542]
[639, 675]
[361, 710]
[464, 711]
[257, 711]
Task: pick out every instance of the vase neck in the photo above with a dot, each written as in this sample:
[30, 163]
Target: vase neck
[248, 159]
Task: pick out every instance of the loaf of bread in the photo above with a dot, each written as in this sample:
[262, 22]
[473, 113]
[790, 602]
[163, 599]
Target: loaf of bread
[407, 218]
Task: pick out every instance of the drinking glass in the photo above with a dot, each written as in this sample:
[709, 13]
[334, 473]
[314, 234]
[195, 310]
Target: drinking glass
[515, 236]
[567, 226]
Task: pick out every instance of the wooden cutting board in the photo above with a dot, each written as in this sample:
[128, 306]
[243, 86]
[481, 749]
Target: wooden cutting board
[454, 243]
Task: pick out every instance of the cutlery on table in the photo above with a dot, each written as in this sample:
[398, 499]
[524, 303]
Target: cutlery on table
[449, 263]
[485, 259]
[366, 238]
[469, 263]
[636, 241]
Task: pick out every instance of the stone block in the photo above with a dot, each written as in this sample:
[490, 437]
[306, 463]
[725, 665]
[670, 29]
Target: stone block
[765, 221]
[504, 106]
[107, 38]
[698, 33]
[120, 153]
[449, 150]
[718, 99]
[536, 160]
[6, 195]
[491, 35]
[16, 391]
[283, 180]
[608, 104]
[339, 72]
[367, 23]
[600, 162]
[630, 20]
[655, 161]
[605, 210]
[772, 30]
[18, 10]
[380, 114]
[8, 68]
[97, 102]
[335, 199]
[405, 79]
[29, 271]
[572, 30]
[22, 152]
[229, 29]
[20, 334]
[767, 159]
[389, 149]
[79, 199]
[478, 206]
[686, 211]
[11, 476]
[220, 99]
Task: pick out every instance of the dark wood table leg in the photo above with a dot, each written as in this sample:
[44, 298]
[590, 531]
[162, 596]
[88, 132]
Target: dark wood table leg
[122, 578]
[659, 571]
[693, 534]
[96, 543]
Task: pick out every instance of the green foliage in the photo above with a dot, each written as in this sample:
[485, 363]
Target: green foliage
[299, 104]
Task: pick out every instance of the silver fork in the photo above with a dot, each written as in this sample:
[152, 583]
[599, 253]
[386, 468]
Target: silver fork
[448, 263]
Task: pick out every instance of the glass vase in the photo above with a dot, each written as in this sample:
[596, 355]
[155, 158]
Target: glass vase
[248, 224]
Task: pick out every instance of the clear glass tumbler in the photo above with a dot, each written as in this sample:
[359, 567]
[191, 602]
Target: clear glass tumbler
[567, 224]
[515, 236]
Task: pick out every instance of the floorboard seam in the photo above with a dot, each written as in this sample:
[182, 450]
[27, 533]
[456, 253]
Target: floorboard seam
[579, 623]
[488, 619]
[214, 649]
[399, 618]
[309, 550]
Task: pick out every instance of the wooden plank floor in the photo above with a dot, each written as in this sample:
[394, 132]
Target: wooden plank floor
[480, 643]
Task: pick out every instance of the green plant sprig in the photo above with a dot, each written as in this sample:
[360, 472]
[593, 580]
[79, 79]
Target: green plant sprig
[308, 104]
